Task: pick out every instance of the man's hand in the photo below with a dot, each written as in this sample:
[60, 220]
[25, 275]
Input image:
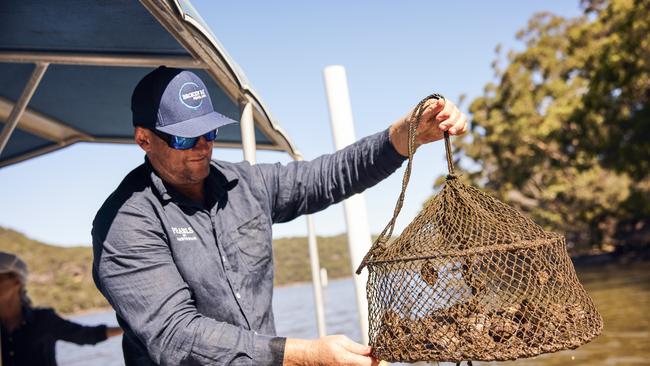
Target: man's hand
[439, 116]
[330, 350]
[113, 331]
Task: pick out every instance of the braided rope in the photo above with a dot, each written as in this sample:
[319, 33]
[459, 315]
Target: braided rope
[414, 122]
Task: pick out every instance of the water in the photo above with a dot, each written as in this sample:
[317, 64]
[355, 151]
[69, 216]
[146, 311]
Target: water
[295, 317]
[621, 294]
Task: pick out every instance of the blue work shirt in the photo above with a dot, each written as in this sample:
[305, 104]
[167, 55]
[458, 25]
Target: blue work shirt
[192, 284]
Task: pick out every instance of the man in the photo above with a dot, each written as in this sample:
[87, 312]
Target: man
[29, 334]
[182, 248]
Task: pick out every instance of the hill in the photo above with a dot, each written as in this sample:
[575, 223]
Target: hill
[61, 277]
[291, 256]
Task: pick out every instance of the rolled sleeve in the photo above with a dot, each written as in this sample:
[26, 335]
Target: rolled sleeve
[134, 269]
[269, 350]
[305, 187]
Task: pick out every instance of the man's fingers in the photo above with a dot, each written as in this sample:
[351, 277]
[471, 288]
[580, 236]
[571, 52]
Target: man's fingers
[465, 125]
[460, 125]
[450, 120]
[358, 354]
[446, 112]
[353, 359]
[354, 347]
[438, 106]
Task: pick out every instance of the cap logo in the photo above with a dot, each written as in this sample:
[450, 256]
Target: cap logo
[191, 96]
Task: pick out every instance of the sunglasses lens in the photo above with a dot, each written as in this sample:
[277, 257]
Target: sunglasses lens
[183, 143]
[210, 136]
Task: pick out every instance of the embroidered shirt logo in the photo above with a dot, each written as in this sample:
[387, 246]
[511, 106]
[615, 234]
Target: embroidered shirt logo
[184, 233]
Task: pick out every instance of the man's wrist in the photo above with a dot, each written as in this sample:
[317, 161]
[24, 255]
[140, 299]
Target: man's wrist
[398, 137]
[296, 352]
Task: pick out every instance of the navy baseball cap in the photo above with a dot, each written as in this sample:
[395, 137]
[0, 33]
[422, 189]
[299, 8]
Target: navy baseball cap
[175, 102]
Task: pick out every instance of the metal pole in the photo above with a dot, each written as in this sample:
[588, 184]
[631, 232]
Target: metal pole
[315, 276]
[99, 59]
[21, 104]
[247, 126]
[248, 142]
[314, 262]
[359, 240]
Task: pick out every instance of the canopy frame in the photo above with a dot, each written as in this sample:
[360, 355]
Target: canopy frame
[20, 106]
[100, 59]
[205, 53]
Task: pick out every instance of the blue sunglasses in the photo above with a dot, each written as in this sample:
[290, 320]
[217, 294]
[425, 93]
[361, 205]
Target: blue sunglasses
[184, 143]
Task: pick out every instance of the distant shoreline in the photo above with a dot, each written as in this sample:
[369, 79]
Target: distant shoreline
[584, 261]
[91, 311]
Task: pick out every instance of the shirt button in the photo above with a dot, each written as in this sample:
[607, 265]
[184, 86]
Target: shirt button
[11, 353]
[237, 295]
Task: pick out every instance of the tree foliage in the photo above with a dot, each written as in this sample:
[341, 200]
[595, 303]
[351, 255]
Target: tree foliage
[564, 131]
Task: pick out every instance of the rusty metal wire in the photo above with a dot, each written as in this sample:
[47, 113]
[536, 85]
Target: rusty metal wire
[472, 278]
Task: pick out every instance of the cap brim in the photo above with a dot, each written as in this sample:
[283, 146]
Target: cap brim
[197, 126]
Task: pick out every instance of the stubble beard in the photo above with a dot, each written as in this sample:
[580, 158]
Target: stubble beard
[190, 176]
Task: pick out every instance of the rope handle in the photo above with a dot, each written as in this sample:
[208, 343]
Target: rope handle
[414, 122]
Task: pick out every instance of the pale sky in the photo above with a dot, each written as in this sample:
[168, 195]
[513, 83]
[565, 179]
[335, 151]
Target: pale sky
[395, 53]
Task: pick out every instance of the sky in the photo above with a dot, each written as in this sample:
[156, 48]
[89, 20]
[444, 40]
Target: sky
[394, 53]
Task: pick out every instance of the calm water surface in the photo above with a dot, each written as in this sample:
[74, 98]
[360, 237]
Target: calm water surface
[621, 293]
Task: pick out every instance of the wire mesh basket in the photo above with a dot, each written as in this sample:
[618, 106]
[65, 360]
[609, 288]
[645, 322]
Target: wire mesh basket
[472, 278]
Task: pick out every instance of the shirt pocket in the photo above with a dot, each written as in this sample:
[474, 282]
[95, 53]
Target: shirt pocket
[252, 239]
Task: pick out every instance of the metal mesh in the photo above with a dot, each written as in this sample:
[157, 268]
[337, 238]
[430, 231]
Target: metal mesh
[471, 278]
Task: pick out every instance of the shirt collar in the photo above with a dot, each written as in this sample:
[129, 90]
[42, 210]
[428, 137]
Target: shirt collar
[157, 182]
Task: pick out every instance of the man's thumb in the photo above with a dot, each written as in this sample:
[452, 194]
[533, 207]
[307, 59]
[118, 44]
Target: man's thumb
[438, 106]
[354, 347]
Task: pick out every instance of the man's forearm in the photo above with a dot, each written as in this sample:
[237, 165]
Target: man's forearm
[113, 331]
[307, 187]
[296, 352]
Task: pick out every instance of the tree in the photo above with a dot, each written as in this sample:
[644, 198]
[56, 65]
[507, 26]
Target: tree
[564, 132]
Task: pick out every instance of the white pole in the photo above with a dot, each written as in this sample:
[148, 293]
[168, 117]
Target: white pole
[314, 263]
[247, 126]
[323, 277]
[359, 240]
[315, 277]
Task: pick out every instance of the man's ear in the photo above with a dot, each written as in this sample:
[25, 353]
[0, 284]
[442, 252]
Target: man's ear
[143, 138]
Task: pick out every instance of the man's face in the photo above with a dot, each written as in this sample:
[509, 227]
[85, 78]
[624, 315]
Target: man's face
[178, 167]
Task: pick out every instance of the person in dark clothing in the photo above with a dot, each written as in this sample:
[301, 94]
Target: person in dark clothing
[182, 247]
[29, 334]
